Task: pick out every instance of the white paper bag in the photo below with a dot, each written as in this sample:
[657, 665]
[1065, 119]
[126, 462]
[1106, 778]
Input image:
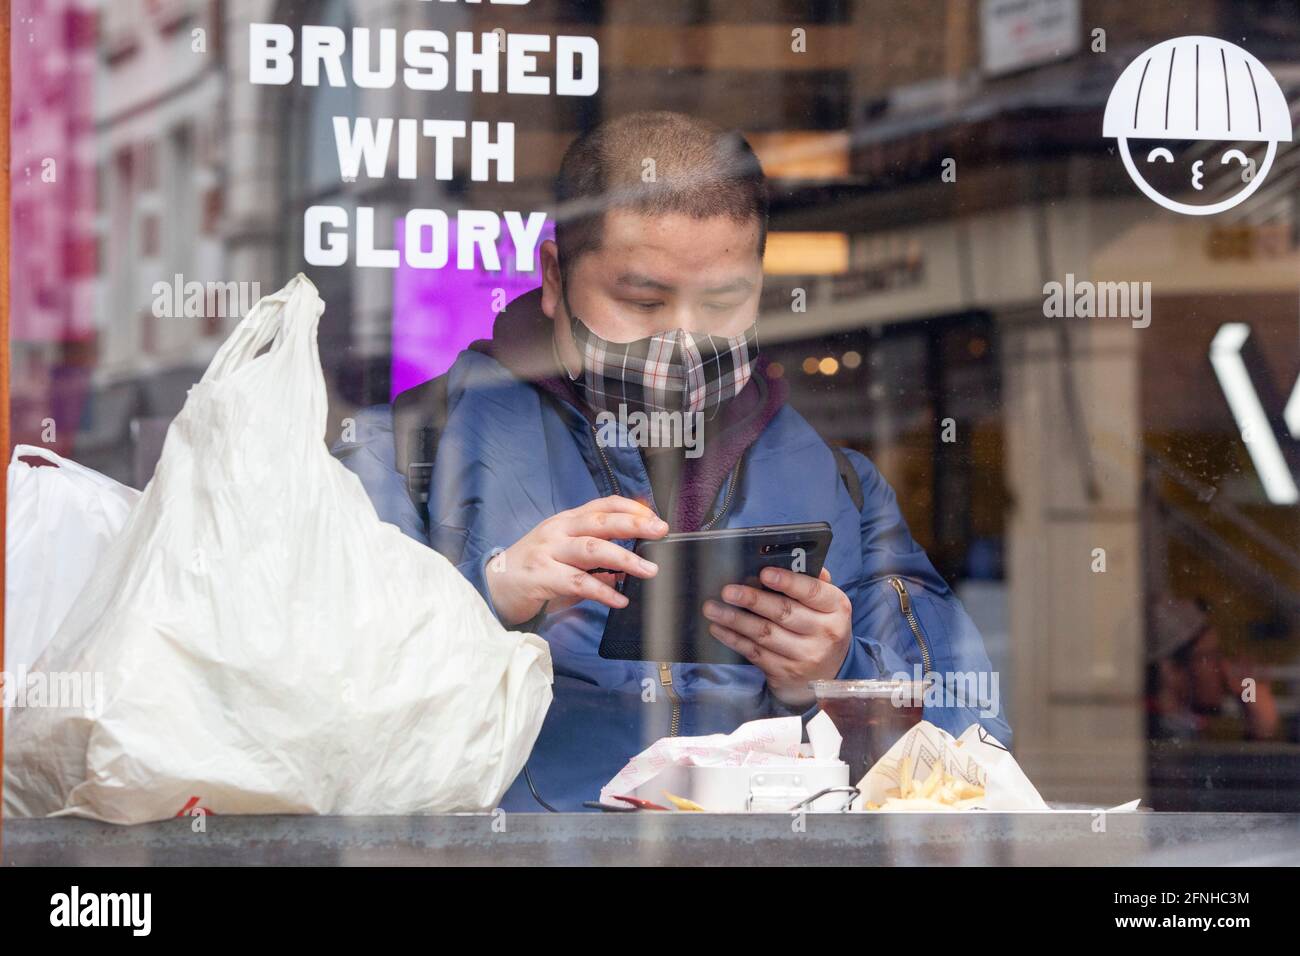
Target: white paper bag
[266, 644]
[61, 518]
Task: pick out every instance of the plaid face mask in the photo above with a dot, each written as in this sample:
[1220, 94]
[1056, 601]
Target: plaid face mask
[672, 371]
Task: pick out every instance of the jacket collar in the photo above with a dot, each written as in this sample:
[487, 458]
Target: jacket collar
[522, 338]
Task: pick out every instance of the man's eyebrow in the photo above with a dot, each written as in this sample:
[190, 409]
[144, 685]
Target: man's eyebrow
[739, 284]
[643, 282]
[637, 280]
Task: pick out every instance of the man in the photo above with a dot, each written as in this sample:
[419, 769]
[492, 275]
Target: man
[648, 303]
[1190, 678]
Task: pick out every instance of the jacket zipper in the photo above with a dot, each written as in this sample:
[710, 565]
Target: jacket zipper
[609, 471]
[905, 606]
[726, 502]
[665, 668]
[666, 679]
[665, 672]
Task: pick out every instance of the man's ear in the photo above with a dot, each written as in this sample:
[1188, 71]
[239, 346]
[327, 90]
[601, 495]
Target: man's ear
[551, 302]
[554, 308]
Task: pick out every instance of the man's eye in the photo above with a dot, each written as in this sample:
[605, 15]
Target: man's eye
[645, 306]
[1160, 153]
[720, 306]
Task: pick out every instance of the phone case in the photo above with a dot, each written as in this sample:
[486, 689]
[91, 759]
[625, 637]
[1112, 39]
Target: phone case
[663, 620]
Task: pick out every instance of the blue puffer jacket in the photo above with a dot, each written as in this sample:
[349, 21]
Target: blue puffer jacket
[514, 453]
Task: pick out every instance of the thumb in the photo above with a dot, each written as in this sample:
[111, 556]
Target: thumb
[826, 576]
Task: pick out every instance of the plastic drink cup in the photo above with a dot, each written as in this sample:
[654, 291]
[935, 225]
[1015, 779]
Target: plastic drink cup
[871, 715]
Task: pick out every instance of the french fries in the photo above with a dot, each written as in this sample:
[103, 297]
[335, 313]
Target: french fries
[938, 791]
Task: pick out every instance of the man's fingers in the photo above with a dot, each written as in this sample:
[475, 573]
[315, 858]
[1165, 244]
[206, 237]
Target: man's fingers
[737, 642]
[614, 524]
[762, 632]
[584, 587]
[614, 503]
[820, 595]
[777, 608]
[772, 665]
[588, 552]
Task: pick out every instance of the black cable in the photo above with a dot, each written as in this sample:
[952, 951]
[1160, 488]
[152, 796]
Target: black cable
[532, 788]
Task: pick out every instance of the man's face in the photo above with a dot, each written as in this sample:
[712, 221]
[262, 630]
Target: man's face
[652, 274]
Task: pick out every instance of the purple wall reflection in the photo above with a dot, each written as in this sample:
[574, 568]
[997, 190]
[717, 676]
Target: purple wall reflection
[438, 312]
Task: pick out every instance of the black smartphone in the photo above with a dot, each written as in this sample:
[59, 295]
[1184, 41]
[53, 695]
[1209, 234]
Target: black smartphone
[663, 620]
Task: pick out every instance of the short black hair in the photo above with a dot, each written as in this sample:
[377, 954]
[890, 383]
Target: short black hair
[656, 162]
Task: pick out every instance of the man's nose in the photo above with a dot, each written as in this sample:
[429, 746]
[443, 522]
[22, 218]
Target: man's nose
[693, 318]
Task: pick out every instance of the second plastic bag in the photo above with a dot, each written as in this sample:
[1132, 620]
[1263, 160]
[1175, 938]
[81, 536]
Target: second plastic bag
[61, 518]
[266, 644]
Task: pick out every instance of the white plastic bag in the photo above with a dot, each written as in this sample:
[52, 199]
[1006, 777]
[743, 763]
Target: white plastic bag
[60, 519]
[267, 645]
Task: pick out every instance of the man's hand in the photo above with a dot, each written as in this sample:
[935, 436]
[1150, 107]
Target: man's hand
[550, 563]
[799, 634]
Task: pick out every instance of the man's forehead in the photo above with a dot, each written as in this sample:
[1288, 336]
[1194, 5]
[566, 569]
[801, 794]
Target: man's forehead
[672, 250]
[675, 236]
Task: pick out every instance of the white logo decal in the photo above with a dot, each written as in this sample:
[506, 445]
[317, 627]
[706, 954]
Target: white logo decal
[1197, 90]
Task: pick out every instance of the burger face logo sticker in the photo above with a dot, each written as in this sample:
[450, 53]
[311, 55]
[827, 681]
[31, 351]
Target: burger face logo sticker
[1198, 118]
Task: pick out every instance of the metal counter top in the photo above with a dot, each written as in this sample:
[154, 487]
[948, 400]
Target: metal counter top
[666, 839]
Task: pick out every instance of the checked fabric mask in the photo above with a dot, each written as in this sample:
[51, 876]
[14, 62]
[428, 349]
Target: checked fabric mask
[671, 371]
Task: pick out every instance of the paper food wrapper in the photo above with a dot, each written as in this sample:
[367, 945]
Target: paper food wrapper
[976, 757]
[772, 742]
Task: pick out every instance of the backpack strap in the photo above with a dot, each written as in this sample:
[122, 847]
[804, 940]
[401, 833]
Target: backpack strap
[419, 418]
[848, 475]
